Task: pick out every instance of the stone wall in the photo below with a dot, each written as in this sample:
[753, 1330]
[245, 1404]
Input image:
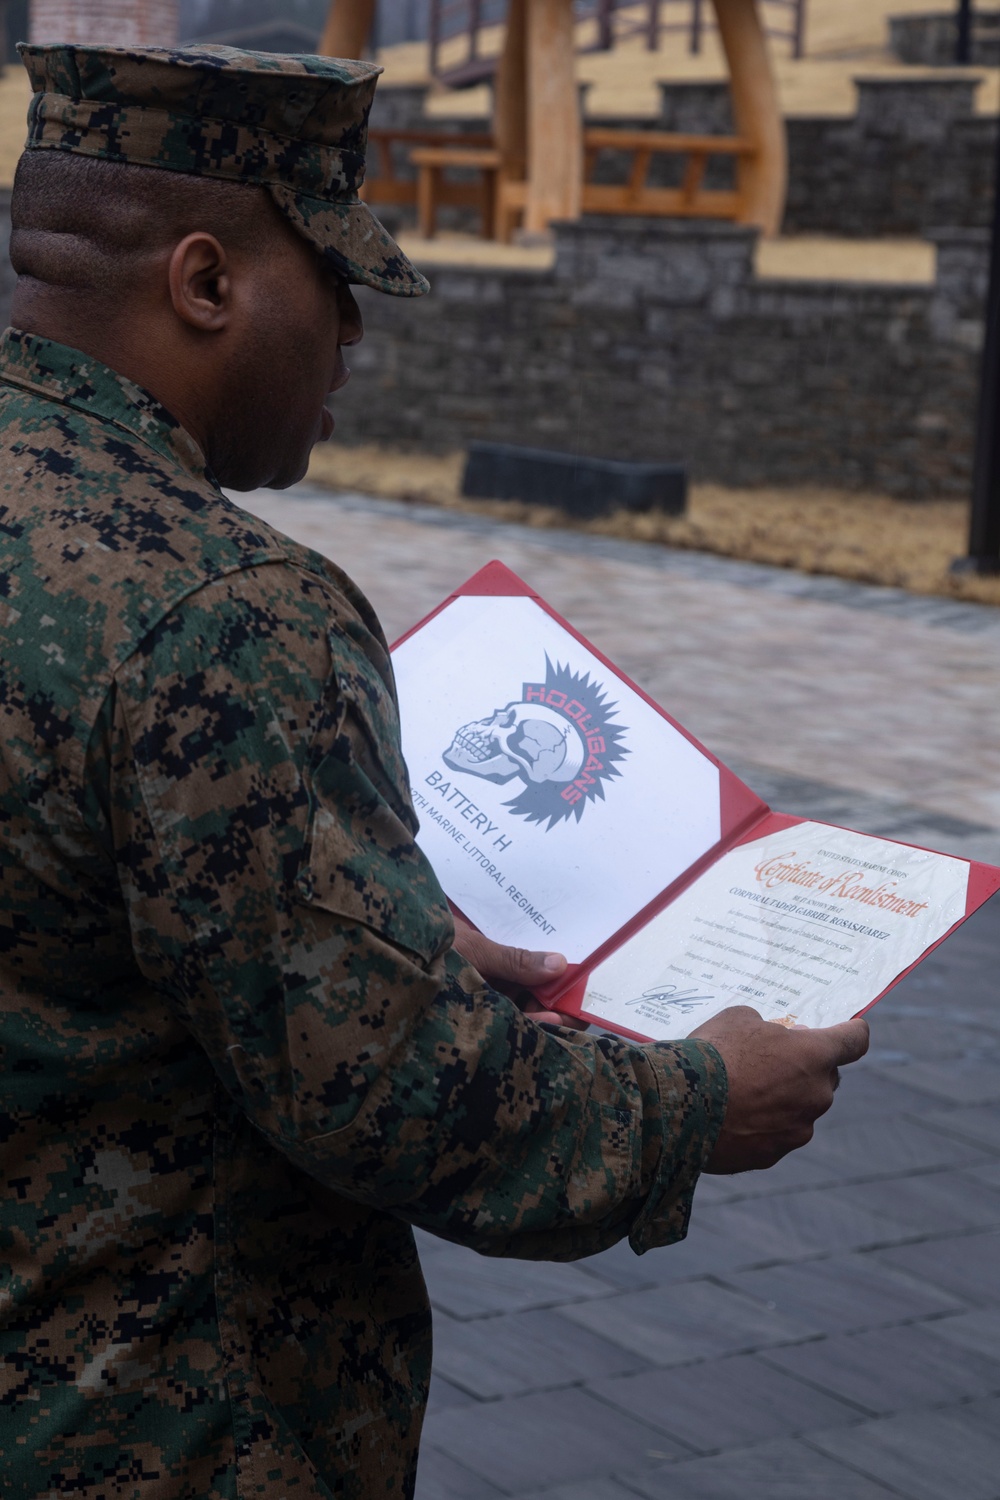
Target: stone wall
[913, 156]
[931, 40]
[654, 340]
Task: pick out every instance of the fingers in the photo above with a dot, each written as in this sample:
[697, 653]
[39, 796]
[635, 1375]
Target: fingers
[537, 1012]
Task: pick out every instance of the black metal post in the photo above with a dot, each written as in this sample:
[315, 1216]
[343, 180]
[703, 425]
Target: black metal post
[984, 525]
[963, 32]
[605, 25]
[799, 29]
[697, 24]
[434, 35]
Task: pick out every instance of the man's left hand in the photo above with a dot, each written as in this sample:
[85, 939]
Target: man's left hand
[515, 972]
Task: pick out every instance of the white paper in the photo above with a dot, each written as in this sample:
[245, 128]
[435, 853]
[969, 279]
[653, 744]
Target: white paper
[807, 926]
[554, 802]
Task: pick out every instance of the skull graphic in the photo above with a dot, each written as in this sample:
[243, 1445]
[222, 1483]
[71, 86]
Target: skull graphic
[523, 739]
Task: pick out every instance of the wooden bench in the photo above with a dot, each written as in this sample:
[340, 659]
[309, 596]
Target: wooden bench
[432, 162]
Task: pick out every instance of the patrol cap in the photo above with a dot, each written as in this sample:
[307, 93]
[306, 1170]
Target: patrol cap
[297, 126]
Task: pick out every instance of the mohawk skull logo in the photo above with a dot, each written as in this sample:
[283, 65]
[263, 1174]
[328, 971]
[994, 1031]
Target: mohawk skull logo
[558, 738]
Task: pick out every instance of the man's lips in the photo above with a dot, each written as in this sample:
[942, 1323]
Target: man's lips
[327, 424]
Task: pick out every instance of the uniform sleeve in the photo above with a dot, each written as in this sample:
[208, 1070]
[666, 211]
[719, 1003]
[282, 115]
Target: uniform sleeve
[259, 814]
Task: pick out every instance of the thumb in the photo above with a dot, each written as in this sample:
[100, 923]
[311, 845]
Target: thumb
[522, 967]
[846, 1042]
[506, 966]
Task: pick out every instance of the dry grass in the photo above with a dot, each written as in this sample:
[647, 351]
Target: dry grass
[868, 538]
[799, 257]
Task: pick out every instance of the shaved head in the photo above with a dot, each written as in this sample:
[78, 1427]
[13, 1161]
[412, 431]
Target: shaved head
[198, 290]
[83, 225]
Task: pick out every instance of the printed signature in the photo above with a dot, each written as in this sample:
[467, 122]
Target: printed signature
[669, 994]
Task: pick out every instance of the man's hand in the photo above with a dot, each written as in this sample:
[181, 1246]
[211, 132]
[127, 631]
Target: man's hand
[514, 971]
[780, 1082]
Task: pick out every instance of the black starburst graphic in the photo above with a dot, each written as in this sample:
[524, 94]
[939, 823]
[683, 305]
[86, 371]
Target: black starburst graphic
[585, 705]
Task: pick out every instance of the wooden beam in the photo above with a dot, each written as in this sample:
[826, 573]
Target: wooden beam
[763, 179]
[348, 28]
[555, 136]
[510, 94]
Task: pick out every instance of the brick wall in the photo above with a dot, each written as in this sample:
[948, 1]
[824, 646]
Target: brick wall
[122, 23]
[654, 340]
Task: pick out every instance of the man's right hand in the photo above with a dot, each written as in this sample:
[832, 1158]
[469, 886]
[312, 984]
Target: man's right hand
[780, 1082]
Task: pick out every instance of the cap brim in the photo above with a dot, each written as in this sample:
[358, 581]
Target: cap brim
[349, 236]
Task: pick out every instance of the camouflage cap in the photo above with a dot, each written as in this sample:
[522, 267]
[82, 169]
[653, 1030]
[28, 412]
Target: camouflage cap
[297, 126]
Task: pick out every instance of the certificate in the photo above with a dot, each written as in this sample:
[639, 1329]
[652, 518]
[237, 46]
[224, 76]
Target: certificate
[799, 924]
[562, 808]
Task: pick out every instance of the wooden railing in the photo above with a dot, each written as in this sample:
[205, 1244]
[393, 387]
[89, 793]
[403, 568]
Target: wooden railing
[690, 200]
[615, 20]
[500, 197]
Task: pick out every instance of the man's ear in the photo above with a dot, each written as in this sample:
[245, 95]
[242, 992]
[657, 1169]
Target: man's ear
[200, 285]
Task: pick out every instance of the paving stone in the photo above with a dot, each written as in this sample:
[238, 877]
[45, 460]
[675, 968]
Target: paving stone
[980, 1124]
[927, 1455]
[702, 1253]
[781, 1470]
[442, 1393]
[884, 1147]
[844, 1294]
[794, 1172]
[931, 1201]
[522, 1352]
[967, 1265]
[430, 1244]
[548, 1439]
[725, 1403]
[868, 1091]
[441, 1478]
[594, 1489]
[788, 1226]
[988, 1172]
[885, 1370]
[979, 1330]
[676, 1324]
[928, 1038]
[467, 1285]
[984, 1413]
[961, 1080]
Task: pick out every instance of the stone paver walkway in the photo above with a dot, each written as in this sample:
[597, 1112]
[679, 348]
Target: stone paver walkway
[830, 1330]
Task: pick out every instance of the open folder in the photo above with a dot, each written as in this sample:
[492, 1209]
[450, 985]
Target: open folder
[563, 809]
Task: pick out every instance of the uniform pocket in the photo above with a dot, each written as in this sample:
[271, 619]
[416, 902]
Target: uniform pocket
[362, 863]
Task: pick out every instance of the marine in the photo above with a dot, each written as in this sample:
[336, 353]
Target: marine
[243, 1048]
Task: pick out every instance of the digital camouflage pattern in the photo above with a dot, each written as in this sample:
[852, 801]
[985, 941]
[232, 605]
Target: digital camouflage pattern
[297, 126]
[240, 1057]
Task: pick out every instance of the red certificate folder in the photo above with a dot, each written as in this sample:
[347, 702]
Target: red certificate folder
[563, 808]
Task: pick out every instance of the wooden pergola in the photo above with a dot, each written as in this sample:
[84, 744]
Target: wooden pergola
[539, 160]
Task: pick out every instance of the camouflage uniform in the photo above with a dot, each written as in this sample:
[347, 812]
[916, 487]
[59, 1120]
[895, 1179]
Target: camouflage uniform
[240, 1057]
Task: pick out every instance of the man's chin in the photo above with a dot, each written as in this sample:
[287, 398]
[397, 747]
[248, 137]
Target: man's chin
[264, 478]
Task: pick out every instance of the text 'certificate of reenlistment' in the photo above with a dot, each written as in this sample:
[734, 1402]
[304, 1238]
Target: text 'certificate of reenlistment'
[554, 801]
[808, 926]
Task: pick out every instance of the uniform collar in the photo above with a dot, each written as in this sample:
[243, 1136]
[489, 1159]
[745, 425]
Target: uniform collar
[75, 379]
